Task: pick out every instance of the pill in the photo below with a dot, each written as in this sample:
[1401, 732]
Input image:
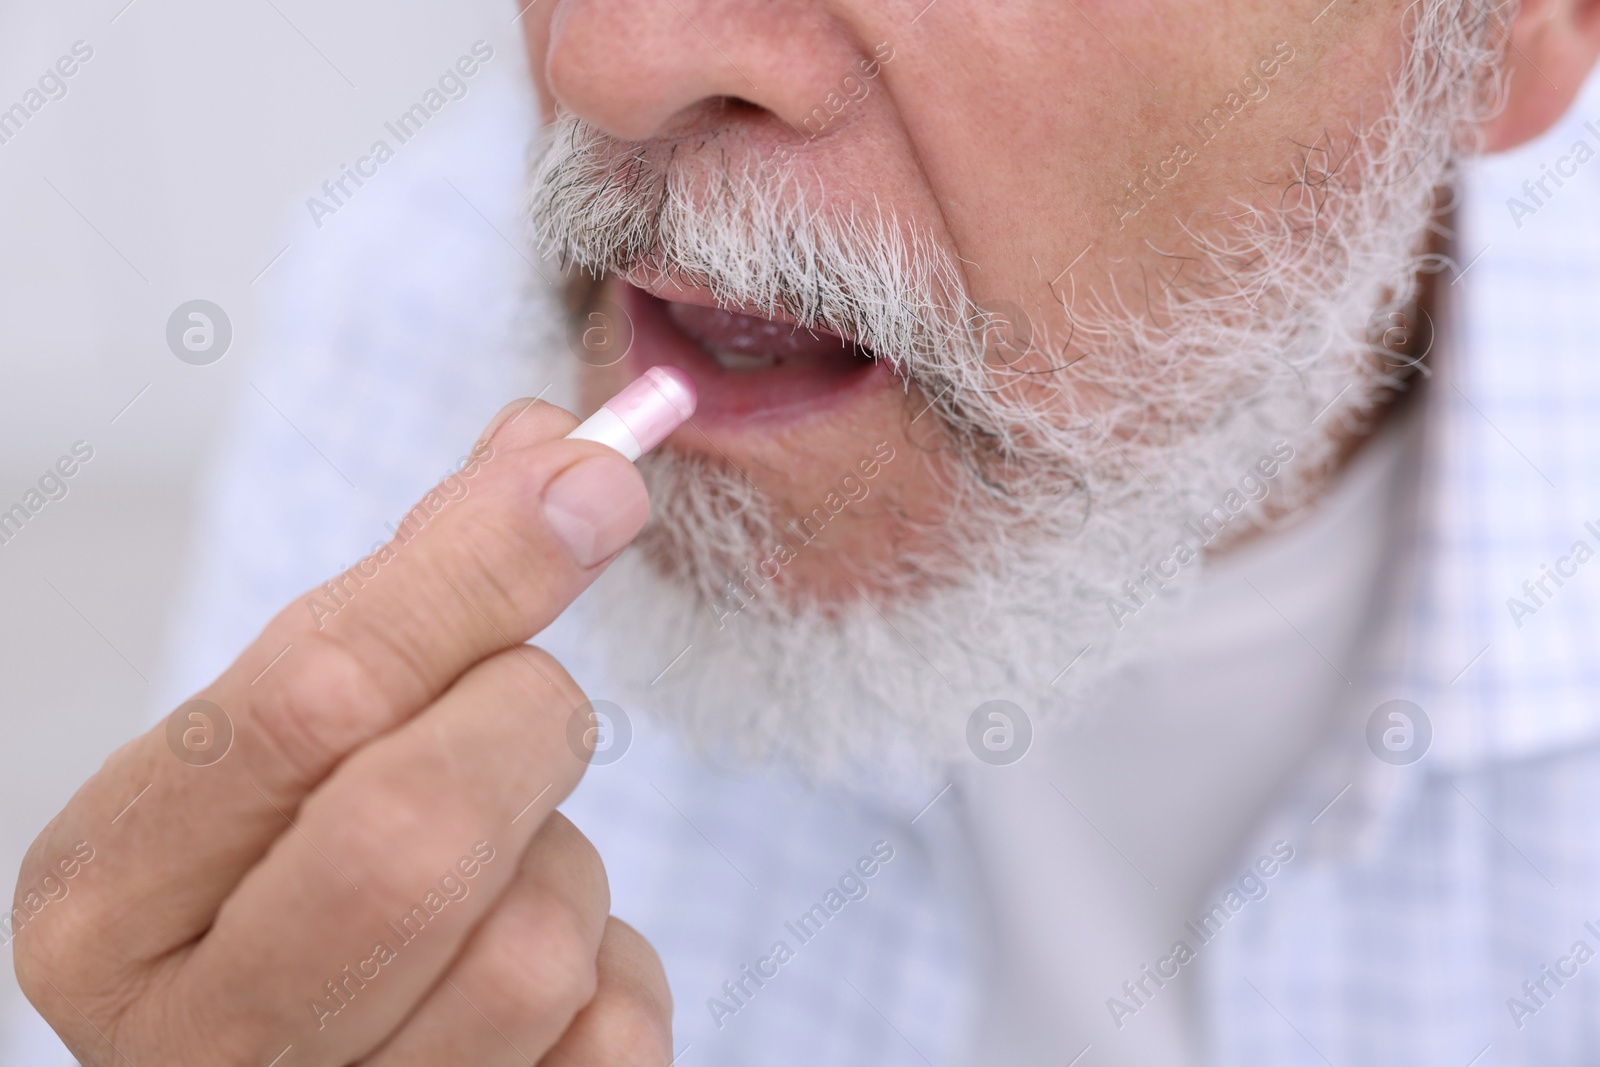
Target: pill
[643, 414]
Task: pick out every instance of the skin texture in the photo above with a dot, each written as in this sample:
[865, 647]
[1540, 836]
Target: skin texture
[397, 736]
[1007, 132]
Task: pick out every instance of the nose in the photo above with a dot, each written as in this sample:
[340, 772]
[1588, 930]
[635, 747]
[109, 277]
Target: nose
[639, 68]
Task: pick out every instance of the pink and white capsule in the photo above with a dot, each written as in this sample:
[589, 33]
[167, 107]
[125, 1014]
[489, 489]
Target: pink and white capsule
[643, 414]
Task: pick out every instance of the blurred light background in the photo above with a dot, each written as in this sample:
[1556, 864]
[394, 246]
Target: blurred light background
[176, 167]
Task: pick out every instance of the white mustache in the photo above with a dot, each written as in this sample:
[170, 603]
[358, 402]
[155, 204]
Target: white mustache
[753, 238]
[750, 237]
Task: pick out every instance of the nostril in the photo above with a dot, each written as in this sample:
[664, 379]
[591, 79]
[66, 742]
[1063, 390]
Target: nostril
[719, 115]
[738, 106]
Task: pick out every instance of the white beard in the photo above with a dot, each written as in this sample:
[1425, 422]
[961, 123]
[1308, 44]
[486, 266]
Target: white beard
[1272, 331]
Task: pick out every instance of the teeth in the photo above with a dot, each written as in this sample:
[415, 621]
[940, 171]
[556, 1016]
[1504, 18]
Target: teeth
[742, 360]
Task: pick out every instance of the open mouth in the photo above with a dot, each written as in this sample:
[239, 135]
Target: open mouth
[745, 366]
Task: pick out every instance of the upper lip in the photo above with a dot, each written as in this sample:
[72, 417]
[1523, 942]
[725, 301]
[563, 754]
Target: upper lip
[664, 288]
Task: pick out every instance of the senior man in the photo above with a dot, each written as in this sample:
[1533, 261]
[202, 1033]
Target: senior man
[1064, 633]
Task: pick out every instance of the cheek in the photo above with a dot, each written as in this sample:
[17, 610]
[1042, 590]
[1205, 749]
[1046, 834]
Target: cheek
[1340, 80]
[1001, 124]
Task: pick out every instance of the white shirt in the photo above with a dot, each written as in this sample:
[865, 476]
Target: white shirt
[1100, 848]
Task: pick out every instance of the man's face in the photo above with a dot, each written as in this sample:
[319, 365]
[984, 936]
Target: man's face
[1065, 273]
[1051, 150]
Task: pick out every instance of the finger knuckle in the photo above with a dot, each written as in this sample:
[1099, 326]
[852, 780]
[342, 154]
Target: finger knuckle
[60, 969]
[559, 842]
[546, 967]
[513, 668]
[639, 958]
[630, 1029]
[57, 936]
[309, 716]
[393, 842]
[547, 697]
[37, 967]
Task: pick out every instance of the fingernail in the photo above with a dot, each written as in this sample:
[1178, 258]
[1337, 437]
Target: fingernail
[596, 507]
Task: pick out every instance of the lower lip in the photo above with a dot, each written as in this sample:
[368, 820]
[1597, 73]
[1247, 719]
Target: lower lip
[734, 397]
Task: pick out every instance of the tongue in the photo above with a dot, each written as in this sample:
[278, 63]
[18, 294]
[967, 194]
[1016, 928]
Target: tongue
[748, 342]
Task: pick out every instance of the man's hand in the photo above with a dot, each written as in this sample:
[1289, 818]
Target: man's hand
[374, 871]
